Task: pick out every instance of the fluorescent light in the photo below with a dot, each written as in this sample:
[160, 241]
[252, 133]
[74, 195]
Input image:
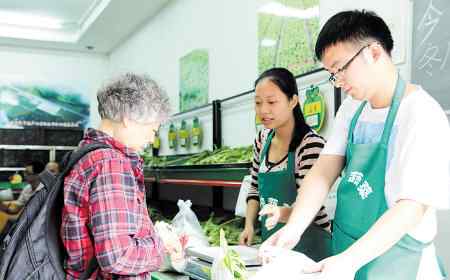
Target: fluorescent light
[27, 20]
[268, 42]
[278, 9]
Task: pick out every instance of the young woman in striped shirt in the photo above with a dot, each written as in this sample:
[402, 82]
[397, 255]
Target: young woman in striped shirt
[284, 151]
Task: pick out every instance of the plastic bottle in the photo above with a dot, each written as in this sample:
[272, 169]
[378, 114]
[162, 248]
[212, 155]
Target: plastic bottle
[196, 133]
[184, 134]
[172, 137]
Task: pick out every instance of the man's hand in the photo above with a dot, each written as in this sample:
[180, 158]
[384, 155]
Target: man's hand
[287, 237]
[336, 267]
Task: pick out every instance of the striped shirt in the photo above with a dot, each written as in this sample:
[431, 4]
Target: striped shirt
[305, 155]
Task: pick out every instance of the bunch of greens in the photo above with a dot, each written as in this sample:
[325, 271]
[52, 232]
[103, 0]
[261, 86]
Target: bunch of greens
[232, 261]
[156, 215]
[232, 229]
[219, 156]
[229, 155]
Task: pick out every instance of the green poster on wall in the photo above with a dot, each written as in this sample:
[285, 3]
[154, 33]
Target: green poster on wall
[287, 32]
[194, 76]
[25, 104]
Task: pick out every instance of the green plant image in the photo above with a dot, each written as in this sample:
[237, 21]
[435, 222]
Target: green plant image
[287, 32]
[42, 105]
[194, 78]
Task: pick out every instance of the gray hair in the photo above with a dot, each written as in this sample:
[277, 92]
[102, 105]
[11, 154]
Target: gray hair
[136, 97]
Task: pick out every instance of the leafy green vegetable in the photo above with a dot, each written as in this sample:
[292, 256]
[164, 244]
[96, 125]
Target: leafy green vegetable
[219, 156]
[232, 261]
[231, 228]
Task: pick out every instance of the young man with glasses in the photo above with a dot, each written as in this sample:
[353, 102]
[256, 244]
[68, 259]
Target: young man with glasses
[390, 138]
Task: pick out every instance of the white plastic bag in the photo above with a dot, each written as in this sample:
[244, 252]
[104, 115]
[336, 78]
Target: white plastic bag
[186, 223]
[241, 204]
[6, 194]
[284, 264]
[174, 247]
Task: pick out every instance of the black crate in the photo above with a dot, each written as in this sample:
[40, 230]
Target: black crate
[18, 158]
[62, 136]
[21, 137]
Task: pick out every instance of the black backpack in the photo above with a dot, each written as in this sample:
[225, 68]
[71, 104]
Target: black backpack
[32, 248]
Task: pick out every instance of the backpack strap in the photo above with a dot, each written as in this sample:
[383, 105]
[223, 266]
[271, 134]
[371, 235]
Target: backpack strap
[72, 158]
[47, 178]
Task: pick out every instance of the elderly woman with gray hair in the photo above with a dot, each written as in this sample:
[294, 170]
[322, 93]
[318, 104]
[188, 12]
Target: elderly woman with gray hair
[105, 213]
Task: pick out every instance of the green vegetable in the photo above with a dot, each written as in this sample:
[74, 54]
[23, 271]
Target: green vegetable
[231, 228]
[219, 156]
[156, 215]
[232, 261]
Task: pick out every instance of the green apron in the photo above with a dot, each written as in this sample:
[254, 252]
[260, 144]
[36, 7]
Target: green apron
[361, 201]
[279, 187]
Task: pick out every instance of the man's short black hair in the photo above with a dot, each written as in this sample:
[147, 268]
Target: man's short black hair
[354, 26]
[38, 166]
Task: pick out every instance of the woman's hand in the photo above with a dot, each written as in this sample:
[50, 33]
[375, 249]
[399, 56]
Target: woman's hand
[275, 215]
[247, 235]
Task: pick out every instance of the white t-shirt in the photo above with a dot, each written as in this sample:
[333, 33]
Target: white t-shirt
[418, 158]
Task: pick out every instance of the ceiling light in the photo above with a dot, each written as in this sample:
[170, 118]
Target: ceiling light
[27, 20]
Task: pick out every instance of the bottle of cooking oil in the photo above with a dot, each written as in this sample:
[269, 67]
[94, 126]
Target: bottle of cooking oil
[184, 134]
[156, 144]
[172, 137]
[196, 132]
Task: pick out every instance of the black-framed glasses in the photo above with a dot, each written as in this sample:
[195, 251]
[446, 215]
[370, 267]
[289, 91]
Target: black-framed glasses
[333, 77]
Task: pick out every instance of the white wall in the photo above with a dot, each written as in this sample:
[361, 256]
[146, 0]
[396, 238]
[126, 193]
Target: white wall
[226, 28]
[82, 71]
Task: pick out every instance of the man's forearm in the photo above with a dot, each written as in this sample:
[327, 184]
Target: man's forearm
[314, 190]
[386, 232]
[310, 199]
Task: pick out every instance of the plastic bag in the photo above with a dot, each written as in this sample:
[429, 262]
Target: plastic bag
[186, 223]
[241, 204]
[174, 247]
[284, 264]
[6, 195]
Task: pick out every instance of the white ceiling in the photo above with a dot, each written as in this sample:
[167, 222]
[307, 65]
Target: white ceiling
[73, 24]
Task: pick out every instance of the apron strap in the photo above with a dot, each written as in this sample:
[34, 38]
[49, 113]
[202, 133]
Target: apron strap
[354, 121]
[395, 104]
[265, 150]
[266, 146]
[399, 91]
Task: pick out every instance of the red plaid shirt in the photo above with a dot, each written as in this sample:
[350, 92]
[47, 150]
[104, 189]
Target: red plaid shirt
[104, 197]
